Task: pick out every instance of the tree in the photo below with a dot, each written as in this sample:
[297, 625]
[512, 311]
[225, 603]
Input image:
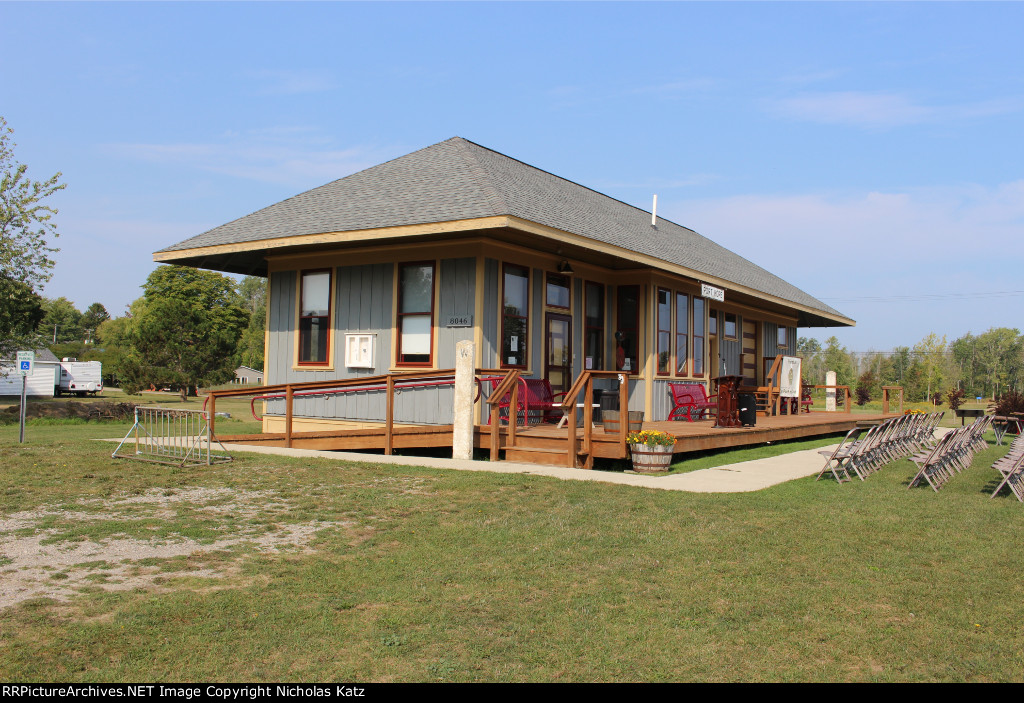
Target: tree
[186, 333]
[92, 318]
[25, 232]
[931, 353]
[253, 292]
[837, 359]
[62, 321]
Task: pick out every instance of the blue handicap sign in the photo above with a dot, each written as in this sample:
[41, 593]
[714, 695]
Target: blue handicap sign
[25, 365]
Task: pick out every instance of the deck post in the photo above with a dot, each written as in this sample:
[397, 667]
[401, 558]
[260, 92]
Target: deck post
[495, 431]
[462, 411]
[588, 417]
[623, 413]
[513, 413]
[289, 396]
[830, 391]
[389, 418]
[212, 410]
[573, 439]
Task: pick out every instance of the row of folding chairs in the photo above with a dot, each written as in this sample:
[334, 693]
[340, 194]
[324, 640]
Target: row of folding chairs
[1011, 468]
[951, 455]
[893, 439]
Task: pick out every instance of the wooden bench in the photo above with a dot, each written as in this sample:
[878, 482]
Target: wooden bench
[690, 398]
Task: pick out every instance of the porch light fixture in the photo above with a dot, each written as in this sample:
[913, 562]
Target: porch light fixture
[564, 267]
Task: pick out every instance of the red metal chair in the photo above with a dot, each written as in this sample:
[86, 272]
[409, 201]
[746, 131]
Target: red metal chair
[535, 402]
[690, 398]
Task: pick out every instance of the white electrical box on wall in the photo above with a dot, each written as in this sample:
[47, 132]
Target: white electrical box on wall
[359, 351]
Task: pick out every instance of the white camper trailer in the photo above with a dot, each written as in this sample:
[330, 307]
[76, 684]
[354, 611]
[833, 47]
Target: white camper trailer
[80, 377]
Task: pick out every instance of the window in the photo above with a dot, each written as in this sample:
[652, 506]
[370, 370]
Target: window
[558, 291]
[664, 331]
[593, 334]
[627, 335]
[713, 324]
[682, 333]
[315, 317]
[515, 316]
[415, 314]
[729, 326]
[698, 336]
[782, 337]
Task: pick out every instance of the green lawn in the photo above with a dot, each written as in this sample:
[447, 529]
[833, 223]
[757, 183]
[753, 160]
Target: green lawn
[320, 570]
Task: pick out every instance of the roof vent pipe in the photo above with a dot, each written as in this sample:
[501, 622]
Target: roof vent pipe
[654, 212]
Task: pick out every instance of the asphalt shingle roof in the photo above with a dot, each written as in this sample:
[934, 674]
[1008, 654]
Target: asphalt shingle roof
[457, 180]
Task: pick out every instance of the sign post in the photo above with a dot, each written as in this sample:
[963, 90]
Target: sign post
[26, 363]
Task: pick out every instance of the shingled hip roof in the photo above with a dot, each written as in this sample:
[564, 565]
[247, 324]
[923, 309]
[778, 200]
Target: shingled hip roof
[459, 180]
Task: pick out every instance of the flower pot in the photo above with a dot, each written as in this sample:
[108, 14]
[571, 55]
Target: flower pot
[649, 459]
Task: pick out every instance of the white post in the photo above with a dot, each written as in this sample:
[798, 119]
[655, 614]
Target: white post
[830, 393]
[462, 421]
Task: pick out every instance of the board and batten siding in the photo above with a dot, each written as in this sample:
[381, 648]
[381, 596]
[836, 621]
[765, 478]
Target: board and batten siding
[363, 303]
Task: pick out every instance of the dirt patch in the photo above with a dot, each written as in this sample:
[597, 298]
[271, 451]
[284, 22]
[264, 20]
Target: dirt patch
[35, 561]
[100, 410]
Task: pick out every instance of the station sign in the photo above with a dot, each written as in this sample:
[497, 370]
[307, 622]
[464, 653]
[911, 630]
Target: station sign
[712, 293]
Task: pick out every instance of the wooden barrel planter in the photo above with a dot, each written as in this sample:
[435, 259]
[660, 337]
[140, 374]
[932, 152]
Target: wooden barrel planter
[650, 459]
[611, 420]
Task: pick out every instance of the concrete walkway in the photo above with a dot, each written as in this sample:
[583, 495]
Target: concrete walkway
[733, 478]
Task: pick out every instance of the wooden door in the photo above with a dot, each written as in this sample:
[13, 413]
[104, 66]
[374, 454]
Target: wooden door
[749, 354]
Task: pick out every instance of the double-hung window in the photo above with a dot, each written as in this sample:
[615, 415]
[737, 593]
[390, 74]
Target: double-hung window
[315, 318]
[515, 317]
[664, 331]
[415, 314]
[682, 333]
[698, 336]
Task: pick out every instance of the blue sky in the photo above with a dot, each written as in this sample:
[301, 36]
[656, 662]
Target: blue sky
[870, 153]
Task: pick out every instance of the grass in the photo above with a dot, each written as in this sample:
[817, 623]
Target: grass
[428, 575]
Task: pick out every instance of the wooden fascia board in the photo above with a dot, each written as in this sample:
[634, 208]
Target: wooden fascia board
[362, 235]
[656, 263]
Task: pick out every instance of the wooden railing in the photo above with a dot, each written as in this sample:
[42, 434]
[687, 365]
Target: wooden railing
[846, 397]
[585, 384]
[386, 382]
[886, 390]
[508, 386]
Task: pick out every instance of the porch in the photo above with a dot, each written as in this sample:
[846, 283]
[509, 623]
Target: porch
[549, 445]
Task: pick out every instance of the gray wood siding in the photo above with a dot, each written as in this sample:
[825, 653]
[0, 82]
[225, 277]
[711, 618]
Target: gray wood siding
[362, 303]
[282, 326]
[457, 296]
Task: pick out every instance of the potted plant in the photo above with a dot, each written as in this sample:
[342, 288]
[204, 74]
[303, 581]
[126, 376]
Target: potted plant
[651, 450]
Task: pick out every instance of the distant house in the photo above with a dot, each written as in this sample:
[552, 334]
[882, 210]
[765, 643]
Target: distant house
[247, 375]
[387, 269]
[43, 381]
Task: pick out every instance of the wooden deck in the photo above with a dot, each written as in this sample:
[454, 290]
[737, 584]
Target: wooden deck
[547, 444]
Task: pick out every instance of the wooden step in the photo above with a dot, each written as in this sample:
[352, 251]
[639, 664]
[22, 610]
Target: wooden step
[534, 455]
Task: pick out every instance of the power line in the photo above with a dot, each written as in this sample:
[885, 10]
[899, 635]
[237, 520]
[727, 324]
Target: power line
[924, 297]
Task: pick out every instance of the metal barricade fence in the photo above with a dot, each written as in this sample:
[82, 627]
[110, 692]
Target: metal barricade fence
[171, 436]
